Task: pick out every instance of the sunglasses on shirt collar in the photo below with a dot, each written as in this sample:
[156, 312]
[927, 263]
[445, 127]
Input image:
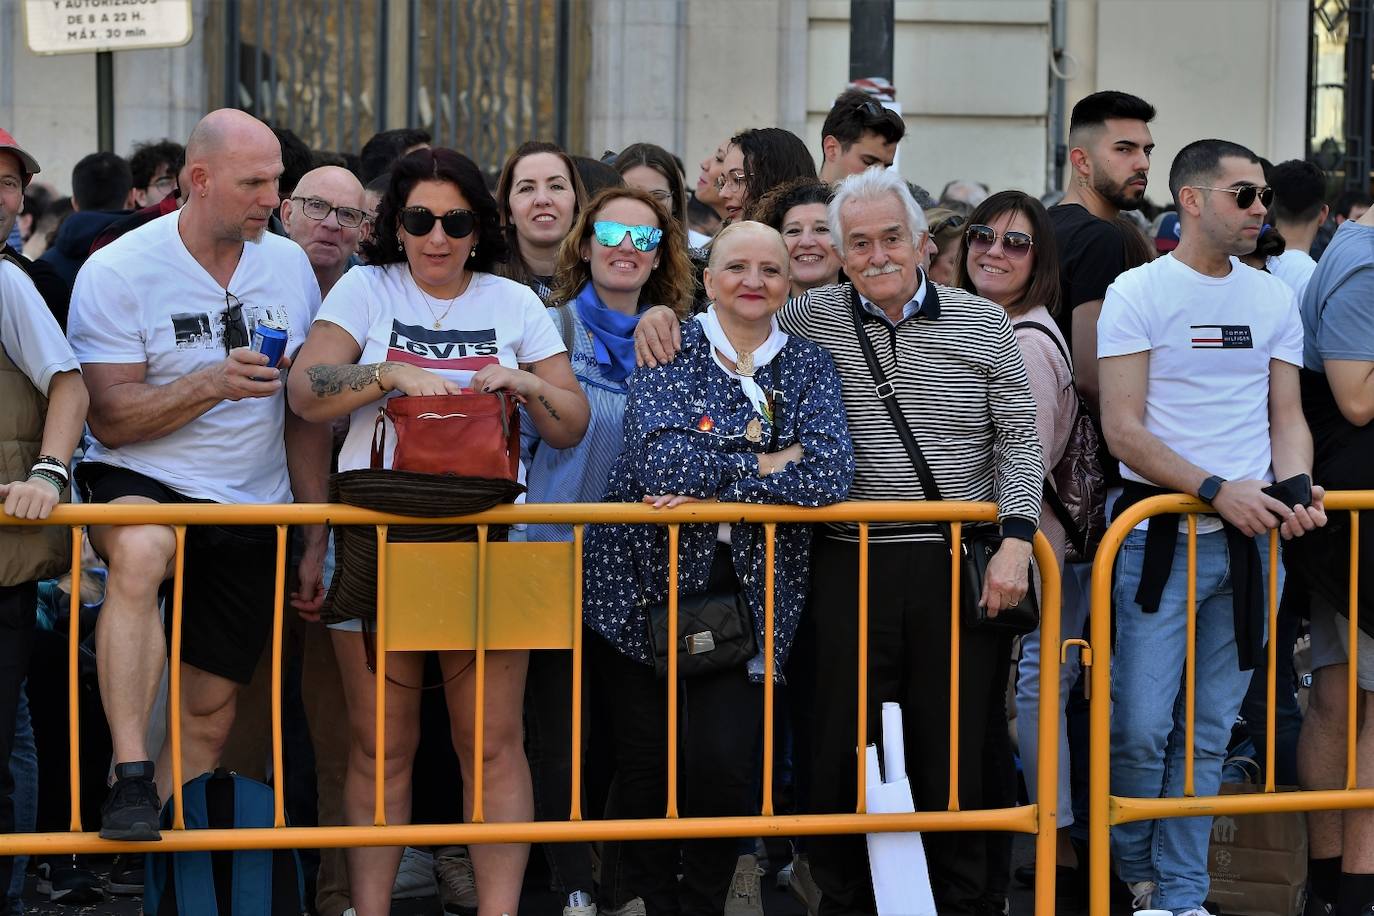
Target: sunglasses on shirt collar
[611, 234]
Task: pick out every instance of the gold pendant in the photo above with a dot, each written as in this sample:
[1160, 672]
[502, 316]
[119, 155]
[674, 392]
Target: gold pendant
[744, 363]
[753, 430]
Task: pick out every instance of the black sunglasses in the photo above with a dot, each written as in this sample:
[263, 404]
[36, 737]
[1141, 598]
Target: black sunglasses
[235, 329]
[1245, 194]
[458, 224]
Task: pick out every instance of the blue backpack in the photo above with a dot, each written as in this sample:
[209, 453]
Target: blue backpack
[265, 882]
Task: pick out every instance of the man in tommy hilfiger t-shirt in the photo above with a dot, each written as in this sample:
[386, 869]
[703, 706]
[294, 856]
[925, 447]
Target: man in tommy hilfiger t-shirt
[1198, 366]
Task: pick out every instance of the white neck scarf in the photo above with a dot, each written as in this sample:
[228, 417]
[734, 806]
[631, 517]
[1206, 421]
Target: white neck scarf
[760, 357]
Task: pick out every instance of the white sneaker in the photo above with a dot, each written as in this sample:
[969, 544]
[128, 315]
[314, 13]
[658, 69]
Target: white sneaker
[456, 880]
[745, 897]
[414, 876]
[1142, 893]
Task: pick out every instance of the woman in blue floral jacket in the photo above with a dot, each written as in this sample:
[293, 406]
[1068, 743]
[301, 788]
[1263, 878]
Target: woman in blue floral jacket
[743, 414]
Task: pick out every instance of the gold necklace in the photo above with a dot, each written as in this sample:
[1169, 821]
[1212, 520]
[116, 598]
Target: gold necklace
[439, 319]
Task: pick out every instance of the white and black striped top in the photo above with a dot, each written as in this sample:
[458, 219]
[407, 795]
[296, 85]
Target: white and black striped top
[962, 387]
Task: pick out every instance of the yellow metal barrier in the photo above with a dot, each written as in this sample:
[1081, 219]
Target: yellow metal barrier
[538, 586]
[1108, 810]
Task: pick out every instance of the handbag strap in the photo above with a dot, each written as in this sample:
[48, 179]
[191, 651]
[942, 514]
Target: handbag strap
[888, 395]
[1061, 511]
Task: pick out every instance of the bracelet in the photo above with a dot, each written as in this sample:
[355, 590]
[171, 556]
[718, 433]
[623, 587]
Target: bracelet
[57, 463]
[50, 477]
[52, 466]
[377, 375]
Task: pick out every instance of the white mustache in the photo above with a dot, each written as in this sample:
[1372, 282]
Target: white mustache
[888, 268]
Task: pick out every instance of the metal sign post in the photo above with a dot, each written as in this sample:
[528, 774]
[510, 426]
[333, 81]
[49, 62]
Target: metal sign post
[84, 26]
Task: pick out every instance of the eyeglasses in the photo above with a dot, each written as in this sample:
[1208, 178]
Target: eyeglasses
[235, 330]
[661, 195]
[1245, 194]
[611, 234]
[164, 183]
[316, 209]
[1015, 245]
[733, 180]
[458, 224]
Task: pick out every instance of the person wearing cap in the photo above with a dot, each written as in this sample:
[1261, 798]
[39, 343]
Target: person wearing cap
[42, 412]
[1166, 231]
[17, 168]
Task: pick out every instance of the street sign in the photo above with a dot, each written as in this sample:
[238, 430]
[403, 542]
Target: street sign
[83, 26]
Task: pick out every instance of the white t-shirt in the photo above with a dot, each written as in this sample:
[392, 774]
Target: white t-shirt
[29, 334]
[1210, 341]
[145, 299]
[495, 320]
[1293, 267]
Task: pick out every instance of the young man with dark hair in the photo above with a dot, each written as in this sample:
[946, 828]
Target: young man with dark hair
[386, 147]
[858, 134]
[1199, 360]
[154, 166]
[1298, 212]
[100, 187]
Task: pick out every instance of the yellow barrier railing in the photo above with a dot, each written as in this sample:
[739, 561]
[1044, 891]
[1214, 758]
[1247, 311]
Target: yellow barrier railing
[1108, 810]
[554, 572]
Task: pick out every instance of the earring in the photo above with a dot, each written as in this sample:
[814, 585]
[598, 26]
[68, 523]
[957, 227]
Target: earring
[473, 252]
[399, 246]
[586, 259]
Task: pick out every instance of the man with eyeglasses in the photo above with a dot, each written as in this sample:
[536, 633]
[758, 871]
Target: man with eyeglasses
[154, 166]
[182, 411]
[325, 216]
[1199, 358]
[858, 134]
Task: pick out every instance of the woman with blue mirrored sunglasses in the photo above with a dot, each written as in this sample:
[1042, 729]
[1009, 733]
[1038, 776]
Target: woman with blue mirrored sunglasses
[611, 234]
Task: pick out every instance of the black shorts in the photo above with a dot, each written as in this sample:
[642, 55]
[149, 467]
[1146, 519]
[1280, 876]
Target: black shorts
[229, 576]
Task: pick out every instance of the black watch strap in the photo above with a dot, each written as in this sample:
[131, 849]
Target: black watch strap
[1210, 488]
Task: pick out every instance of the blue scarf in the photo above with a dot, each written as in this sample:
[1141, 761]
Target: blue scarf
[613, 334]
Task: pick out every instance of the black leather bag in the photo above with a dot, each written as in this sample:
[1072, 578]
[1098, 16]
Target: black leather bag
[978, 543]
[715, 633]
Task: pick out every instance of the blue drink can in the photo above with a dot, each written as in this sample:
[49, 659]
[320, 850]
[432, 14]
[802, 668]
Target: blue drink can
[269, 338]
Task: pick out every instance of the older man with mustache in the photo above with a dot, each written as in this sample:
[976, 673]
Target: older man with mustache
[956, 375]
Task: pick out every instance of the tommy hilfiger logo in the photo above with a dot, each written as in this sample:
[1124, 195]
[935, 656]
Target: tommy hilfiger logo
[1222, 337]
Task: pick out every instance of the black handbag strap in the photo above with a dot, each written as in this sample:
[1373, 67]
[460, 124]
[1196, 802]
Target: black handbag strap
[884, 391]
[1061, 511]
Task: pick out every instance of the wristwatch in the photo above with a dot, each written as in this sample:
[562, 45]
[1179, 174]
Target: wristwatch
[1210, 488]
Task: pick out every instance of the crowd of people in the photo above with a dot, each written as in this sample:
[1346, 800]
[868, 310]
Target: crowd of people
[772, 333]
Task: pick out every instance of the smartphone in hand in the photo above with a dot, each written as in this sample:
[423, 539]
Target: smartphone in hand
[1295, 491]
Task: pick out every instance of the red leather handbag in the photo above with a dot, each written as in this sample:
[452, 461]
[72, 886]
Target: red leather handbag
[462, 435]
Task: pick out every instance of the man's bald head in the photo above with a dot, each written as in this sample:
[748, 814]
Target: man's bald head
[326, 241]
[225, 130]
[233, 163]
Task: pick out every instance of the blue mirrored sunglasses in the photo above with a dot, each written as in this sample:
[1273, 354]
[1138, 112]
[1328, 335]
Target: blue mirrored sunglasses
[610, 234]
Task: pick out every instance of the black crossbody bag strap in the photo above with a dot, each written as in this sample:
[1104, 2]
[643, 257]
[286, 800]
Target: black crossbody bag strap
[888, 395]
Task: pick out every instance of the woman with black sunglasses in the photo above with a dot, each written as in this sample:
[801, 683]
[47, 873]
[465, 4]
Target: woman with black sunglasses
[1008, 255]
[424, 317]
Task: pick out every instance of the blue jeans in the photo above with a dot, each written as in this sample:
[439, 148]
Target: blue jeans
[1148, 714]
[24, 770]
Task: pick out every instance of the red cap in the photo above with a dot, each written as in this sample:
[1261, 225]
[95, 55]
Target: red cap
[10, 145]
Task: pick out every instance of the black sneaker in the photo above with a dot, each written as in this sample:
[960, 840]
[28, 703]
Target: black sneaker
[131, 809]
[126, 876]
[63, 880]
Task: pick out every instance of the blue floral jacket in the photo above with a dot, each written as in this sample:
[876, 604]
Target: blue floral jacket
[685, 433]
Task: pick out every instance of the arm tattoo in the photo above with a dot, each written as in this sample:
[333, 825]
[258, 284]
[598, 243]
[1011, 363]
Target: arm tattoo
[330, 380]
[549, 407]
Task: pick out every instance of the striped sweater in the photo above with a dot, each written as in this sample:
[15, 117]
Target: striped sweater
[962, 387]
